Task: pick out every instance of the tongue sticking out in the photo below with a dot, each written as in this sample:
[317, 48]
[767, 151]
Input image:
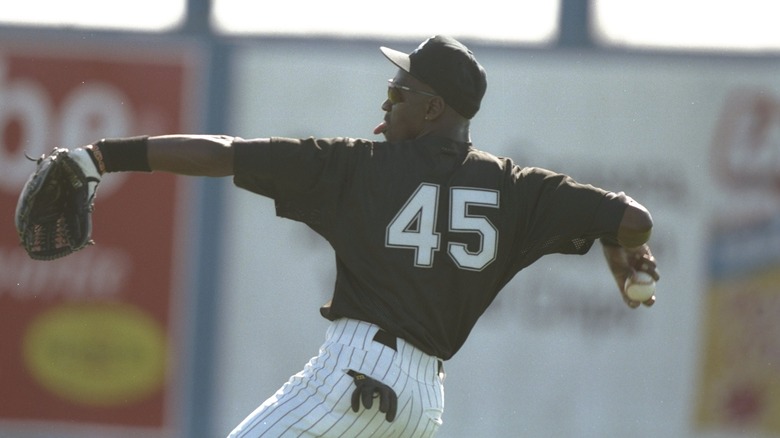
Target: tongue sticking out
[380, 128]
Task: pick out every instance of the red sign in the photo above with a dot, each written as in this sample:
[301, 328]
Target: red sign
[90, 338]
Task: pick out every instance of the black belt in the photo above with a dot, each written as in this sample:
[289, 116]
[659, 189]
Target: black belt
[391, 341]
[386, 339]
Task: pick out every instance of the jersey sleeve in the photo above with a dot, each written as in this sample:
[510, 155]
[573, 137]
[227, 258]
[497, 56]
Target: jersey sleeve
[559, 215]
[302, 176]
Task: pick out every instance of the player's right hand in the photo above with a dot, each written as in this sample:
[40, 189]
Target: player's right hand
[624, 262]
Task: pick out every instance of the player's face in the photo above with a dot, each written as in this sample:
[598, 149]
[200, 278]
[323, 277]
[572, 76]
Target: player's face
[405, 108]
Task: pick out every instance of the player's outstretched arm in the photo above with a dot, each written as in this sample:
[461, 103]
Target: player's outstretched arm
[195, 155]
[53, 214]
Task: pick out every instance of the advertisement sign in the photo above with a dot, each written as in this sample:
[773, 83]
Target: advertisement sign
[739, 385]
[91, 339]
[740, 375]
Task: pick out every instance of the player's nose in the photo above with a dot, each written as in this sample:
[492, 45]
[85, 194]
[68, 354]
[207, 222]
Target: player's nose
[387, 105]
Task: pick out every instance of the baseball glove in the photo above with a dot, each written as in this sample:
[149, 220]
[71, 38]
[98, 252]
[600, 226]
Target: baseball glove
[54, 211]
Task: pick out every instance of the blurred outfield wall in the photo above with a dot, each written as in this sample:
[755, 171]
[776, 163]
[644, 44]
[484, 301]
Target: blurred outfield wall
[695, 139]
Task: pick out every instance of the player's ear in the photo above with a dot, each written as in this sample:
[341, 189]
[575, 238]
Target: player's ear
[435, 108]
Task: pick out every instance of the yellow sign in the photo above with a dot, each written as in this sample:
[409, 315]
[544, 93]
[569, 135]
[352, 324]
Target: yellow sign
[96, 354]
[740, 373]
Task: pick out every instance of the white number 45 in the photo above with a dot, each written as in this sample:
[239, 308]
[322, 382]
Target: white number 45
[414, 226]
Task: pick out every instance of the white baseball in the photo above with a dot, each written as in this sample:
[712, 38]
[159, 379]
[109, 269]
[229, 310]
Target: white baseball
[640, 287]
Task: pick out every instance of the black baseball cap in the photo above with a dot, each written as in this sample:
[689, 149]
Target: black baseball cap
[449, 68]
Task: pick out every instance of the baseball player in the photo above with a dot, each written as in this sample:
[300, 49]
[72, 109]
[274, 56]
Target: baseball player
[426, 229]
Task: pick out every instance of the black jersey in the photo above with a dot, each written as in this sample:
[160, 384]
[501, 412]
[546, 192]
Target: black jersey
[426, 232]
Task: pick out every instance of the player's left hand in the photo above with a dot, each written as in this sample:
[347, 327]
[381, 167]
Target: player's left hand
[54, 210]
[367, 389]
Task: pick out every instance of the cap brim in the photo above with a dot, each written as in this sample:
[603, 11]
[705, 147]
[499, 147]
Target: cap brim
[400, 59]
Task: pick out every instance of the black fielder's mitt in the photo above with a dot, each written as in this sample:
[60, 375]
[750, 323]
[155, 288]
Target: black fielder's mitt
[54, 211]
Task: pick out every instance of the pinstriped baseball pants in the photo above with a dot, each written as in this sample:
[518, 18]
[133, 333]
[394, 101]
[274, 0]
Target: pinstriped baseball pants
[317, 401]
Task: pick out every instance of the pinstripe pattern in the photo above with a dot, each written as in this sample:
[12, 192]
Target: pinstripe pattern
[316, 401]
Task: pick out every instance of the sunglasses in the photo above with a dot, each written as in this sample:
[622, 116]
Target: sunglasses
[395, 96]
